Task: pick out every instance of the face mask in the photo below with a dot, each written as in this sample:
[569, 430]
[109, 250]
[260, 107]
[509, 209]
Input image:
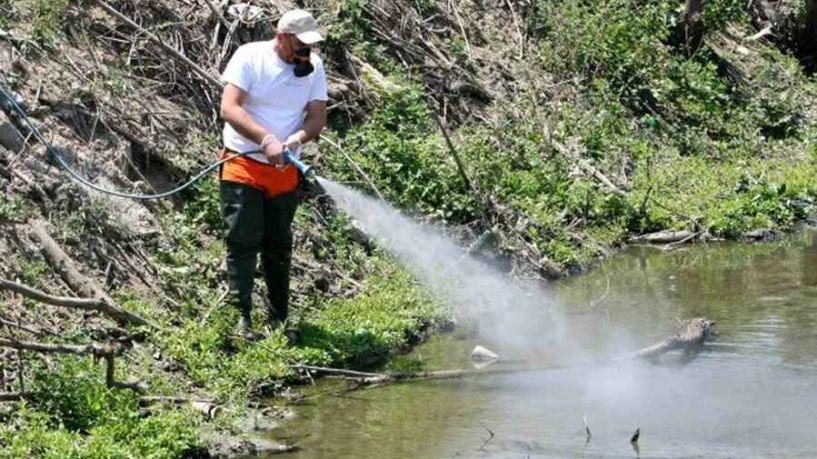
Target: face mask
[303, 68]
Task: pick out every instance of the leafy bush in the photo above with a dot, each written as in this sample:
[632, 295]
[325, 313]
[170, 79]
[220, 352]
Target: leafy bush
[412, 168]
[73, 415]
[47, 17]
[75, 396]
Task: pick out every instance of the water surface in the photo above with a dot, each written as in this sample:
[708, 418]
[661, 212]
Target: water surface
[751, 394]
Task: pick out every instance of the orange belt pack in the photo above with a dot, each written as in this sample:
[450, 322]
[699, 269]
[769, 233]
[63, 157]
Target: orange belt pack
[273, 181]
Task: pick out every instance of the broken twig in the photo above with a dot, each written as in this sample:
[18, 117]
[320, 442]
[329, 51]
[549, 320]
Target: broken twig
[487, 440]
[162, 44]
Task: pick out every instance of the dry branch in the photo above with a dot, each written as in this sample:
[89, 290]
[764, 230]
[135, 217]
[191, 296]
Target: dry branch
[13, 396]
[78, 282]
[762, 33]
[376, 379]
[690, 339]
[173, 52]
[601, 178]
[64, 265]
[574, 157]
[21, 326]
[98, 351]
[518, 30]
[691, 23]
[456, 11]
[76, 303]
[335, 371]
[217, 12]
[355, 166]
[454, 154]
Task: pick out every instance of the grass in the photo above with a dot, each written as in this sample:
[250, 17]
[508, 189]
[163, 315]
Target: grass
[73, 415]
[383, 318]
[46, 18]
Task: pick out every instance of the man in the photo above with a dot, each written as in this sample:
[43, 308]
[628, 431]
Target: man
[274, 99]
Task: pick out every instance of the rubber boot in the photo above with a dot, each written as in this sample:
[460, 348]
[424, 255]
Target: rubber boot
[276, 254]
[243, 209]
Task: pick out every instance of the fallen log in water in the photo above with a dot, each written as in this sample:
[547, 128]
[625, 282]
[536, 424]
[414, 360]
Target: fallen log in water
[689, 339]
[665, 237]
[376, 379]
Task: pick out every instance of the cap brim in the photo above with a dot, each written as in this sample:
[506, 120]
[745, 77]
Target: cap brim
[309, 38]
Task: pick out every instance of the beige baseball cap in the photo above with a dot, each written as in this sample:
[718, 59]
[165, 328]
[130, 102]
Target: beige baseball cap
[302, 25]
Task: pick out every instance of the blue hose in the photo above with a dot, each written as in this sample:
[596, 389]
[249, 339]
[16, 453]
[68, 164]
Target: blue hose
[7, 102]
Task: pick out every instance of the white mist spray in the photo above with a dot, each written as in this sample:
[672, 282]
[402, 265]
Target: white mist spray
[507, 315]
[713, 407]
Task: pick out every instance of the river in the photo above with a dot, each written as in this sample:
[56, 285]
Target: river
[751, 394]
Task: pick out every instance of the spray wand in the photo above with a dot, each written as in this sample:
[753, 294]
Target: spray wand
[305, 170]
[311, 185]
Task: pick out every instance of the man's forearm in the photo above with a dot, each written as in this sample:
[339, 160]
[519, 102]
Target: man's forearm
[242, 122]
[311, 129]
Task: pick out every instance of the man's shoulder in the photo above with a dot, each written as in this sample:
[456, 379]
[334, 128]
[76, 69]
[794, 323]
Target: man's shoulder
[253, 48]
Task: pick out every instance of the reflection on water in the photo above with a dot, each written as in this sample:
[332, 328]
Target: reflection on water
[752, 394]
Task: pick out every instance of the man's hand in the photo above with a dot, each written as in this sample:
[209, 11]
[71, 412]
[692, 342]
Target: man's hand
[293, 142]
[273, 149]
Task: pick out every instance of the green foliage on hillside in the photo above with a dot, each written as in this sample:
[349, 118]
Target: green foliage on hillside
[714, 140]
[73, 415]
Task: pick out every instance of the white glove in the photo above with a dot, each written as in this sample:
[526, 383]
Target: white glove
[293, 143]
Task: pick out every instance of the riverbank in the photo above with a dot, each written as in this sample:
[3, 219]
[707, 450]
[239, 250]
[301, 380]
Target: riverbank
[543, 147]
[198, 358]
[70, 413]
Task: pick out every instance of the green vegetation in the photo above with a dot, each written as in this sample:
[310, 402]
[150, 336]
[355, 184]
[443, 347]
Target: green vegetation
[409, 166]
[47, 18]
[13, 209]
[73, 415]
[44, 18]
[384, 316]
[6, 13]
[719, 141]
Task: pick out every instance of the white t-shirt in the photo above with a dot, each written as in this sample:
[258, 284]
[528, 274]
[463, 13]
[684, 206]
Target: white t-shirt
[276, 98]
